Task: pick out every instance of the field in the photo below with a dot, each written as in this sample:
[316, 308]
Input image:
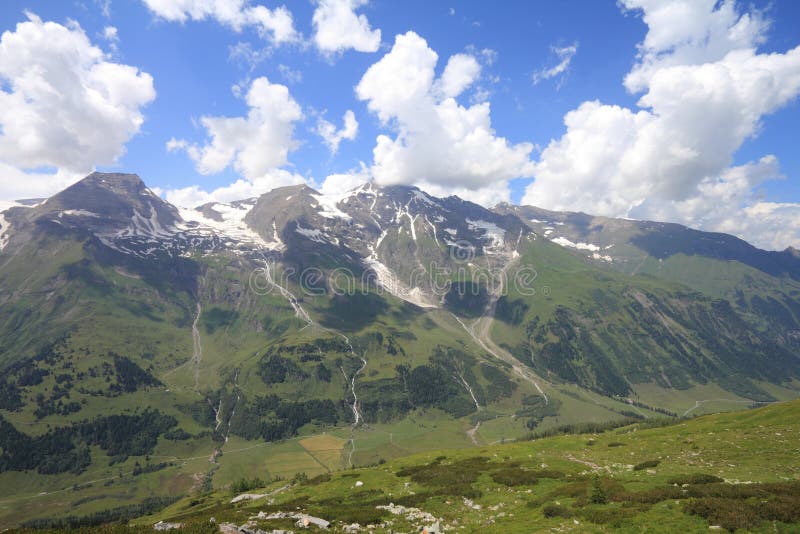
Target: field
[732, 470]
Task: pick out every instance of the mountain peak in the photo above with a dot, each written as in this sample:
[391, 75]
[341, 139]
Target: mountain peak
[114, 179]
[104, 193]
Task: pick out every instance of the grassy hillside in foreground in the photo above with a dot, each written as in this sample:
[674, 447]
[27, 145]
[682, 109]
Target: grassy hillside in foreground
[734, 470]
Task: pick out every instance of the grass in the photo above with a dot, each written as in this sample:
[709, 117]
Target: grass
[734, 470]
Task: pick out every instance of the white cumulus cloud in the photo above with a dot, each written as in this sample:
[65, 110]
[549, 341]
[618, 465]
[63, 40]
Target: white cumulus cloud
[256, 145]
[337, 27]
[336, 184]
[63, 105]
[332, 136]
[275, 25]
[436, 140]
[705, 88]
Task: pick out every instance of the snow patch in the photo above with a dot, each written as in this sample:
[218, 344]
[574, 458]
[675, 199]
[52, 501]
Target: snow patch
[312, 233]
[328, 205]
[390, 282]
[491, 231]
[564, 242]
[598, 256]
[77, 213]
[380, 239]
[232, 225]
[5, 235]
[425, 199]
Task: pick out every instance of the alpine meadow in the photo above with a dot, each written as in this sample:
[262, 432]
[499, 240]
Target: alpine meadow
[399, 266]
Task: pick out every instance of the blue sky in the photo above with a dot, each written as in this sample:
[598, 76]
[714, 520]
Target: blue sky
[194, 68]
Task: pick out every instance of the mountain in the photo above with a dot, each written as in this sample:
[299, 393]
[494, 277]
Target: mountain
[149, 350]
[661, 249]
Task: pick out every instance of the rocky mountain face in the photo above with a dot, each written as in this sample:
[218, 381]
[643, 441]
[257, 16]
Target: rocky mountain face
[379, 310]
[625, 244]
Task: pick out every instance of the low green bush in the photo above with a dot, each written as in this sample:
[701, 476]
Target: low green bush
[647, 464]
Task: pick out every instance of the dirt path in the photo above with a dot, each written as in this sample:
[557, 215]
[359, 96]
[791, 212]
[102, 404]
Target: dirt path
[586, 463]
[699, 403]
[471, 433]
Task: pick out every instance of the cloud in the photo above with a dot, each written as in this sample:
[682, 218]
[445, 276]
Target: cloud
[332, 136]
[276, 25]
[460, 72]
[111, 36]
[490, 195]
[289, 74]
[195, 195]
[337, 28]
[690, 32]
[256, 145]
[435, 138]
[705, 90]
[730, 204]
[63, 106]
[564, 56]
[336, 184]
[248, 56]
[105, 7]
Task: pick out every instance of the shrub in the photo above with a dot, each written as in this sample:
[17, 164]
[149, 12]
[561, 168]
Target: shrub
[319, 479]
[514, 477]
[556, 510]
[647, 464]
[652, 496]
[607, 516]
[694, 478]
[244, 485]
[727, 513]
[547, 473]
[598, 494]
[177, 434]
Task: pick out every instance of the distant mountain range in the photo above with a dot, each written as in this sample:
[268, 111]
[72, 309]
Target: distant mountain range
[131, 330]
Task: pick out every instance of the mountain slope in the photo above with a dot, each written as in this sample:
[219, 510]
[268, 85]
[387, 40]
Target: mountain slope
[304, 332]
[735, 471]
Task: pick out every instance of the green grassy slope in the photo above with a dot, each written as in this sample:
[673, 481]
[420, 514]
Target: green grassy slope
[612, 332]
[734, 470]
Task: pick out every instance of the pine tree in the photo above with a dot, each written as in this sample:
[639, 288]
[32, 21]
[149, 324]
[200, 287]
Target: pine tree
[598, 495]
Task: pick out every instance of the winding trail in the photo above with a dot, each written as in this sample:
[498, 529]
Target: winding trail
[482, 340]
[592, 465]
[699, 403]
[197, 347]
[472, 432]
